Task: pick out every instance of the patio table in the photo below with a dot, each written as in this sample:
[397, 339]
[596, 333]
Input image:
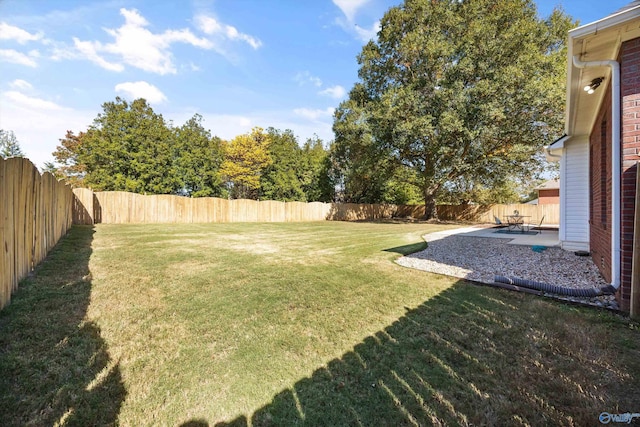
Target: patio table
[516, 223]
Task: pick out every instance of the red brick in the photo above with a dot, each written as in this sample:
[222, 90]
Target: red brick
[630, 141]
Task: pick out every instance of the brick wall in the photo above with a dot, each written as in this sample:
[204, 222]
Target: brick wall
[630, 98]
[549, 197]
[600, 184]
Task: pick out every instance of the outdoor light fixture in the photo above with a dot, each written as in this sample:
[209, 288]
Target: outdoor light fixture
[591, 87]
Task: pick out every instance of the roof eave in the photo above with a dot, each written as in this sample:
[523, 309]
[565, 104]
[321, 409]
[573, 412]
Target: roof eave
[577, 34]
[604, 23]
[558, 143]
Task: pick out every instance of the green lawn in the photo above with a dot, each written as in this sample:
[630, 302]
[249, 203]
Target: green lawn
[295, 324]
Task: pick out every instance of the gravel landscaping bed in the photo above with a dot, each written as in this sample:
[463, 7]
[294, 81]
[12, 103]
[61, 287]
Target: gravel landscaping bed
[481, 259]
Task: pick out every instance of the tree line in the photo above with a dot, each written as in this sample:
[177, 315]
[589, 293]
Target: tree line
[454, 103]
[129, 147]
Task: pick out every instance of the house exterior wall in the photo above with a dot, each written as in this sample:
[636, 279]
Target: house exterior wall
[548, 197]
[600, 184]
[630, 124]
[600, 172]
[574, 201]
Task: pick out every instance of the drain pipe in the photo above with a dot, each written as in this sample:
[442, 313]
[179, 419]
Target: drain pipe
[555, 289]
[615, 161]
[547, 149]
[563, 186]
[553, 156]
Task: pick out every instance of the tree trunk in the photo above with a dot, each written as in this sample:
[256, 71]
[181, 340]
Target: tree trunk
[430, 206]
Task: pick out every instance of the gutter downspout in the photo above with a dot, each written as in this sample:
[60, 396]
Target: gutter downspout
[555, 156]
[562, 232]
[615, 161]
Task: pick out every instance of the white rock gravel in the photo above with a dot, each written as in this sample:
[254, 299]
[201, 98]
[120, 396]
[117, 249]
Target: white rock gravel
[482, 258]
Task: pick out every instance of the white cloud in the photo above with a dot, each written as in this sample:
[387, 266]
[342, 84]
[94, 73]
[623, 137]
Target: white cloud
[15, 57]
[39, 123]
[141, 89]
[314, 114]
[211, 26]
[89, 50]
[228, 126]
[138, 47]
[350, 7]
[336, 92]
[60, 51]
[186, 36]
[23, 100]
[9, 32]
[208, 25]
[21, 84]
[133, 18]
[306, 77]
[367, 34]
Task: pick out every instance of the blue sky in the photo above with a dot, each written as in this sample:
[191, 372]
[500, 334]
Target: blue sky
[239, 63]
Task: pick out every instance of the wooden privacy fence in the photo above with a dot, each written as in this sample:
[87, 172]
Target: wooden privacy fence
[486, 213]
[119, 207]
[35, 212]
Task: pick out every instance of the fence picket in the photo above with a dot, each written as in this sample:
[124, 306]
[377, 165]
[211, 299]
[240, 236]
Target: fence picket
[35, 212]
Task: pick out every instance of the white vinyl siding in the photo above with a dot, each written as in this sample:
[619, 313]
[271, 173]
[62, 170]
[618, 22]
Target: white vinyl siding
[575, 206]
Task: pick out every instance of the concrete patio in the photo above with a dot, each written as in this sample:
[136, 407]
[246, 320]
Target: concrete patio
[547, 237]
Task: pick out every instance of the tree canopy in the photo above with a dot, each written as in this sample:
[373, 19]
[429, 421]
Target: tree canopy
[280, 178]
[198, 157]
[129, 147]
[315, 174]
[66, 155]
[9, 145]
[454, 90]
[245, 158]
[296, 173]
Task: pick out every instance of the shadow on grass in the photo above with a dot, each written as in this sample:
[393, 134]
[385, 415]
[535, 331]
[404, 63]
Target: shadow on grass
[473, 356]
[195, 423]
[54, 366]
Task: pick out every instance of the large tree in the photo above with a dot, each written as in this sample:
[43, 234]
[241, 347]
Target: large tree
[367, 171]
[316, 172]
[468, 189]
[454, 89]
[245, 158]
[9, 145]
[129, 148]
[280, 180]
[362, 166]
[66, 155]
[197, 159]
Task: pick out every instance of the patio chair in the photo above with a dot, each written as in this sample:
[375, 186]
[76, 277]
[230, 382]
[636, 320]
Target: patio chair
[539, 226]
[499, 224]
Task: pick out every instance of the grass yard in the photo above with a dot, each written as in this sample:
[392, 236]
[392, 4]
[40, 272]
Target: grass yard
[295, 324]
